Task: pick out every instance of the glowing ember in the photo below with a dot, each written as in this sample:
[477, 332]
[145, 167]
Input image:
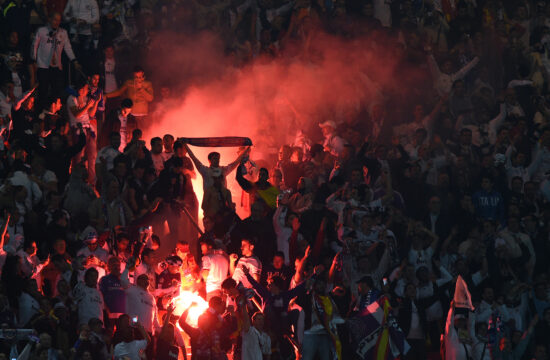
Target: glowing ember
[188, 300]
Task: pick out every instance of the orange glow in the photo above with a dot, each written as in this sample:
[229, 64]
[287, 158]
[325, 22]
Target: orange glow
[272, 101]
[188, 300]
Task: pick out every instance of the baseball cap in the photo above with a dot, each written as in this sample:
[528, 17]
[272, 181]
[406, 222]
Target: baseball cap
[91, 238]
[328, 123]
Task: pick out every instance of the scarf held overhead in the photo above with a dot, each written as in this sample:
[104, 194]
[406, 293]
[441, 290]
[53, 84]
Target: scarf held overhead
[223, 141]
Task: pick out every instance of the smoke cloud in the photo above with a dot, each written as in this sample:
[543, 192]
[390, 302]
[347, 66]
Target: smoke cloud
[269, 100]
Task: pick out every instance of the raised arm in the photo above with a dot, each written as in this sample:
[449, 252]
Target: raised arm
[428, 121]
[73, 108]
[238, 160]
[466, 69]
[195, 160]
[147, 92]
[93, 108]
[301, 266]
[243, 183]
[191, 331]
[245, 318]
[262, 291]
[388, 196]
[124, 278]
[450, 331]
[22, 100]
[233, 258]
[445, 277]
[433, 66]
[4, 230]
[495, 124]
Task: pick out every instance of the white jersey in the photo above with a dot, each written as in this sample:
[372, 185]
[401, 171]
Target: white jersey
[110, 79]
[142, 304]
[48, 45]
[253, 265]
[109, 154]
[83, 119]
[218, 267]
[99, 253]
[131, 350]
[28, 307]
[90, 303]
[85, 10]
[255, 344]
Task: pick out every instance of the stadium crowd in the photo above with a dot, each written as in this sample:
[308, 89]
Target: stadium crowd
[387, 208]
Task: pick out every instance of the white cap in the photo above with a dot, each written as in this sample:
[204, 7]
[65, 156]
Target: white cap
[328, 123]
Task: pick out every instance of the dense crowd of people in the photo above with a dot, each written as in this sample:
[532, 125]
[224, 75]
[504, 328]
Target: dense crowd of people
[377, 205]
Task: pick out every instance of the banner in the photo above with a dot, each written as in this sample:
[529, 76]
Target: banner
[462, 298]
[224, 141]
[376, 334]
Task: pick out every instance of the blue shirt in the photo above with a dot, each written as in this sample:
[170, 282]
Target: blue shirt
[489, 205]
[113, 293]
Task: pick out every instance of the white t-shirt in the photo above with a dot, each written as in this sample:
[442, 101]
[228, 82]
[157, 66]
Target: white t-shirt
[84, 119]
[254, 266]
[5, 105]
[158, 162]
[99, 253]
[109, 154]
[218, 266]
[110, 79]
[17, 86]
[421, 258]
[123, 131]
[28, 307]
[90, 303]
[130, 350]
[142, 304]
[255, 344]
[415, 331]
[208, 179]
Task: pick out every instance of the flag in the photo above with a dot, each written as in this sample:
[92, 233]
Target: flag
[462, 298]
[225, 141]
[376, 334]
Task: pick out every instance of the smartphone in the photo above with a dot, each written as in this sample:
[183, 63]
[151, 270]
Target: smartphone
[134, 320]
